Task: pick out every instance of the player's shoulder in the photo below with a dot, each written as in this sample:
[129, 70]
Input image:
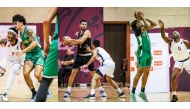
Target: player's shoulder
[29, 29]
[184, 40]
[87, 31]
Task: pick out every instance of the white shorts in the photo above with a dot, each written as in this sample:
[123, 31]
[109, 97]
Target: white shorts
[6, 64]
[181, 65]
[107, 68]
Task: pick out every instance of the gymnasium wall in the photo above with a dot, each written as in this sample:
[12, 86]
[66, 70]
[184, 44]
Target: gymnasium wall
[172, 17]
[32, 15]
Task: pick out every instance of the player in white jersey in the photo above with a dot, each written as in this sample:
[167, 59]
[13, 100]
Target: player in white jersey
[107, 67]
[12, 45]
[178, 47]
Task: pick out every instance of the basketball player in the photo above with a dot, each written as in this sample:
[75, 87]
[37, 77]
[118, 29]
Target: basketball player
[34, 55]
[52, 56]
[144, 57]
[84, 38]
[178, 47]
[12, 45]
[106, 67]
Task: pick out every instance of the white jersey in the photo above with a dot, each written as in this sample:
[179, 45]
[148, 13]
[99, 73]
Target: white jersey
[11, 51]
[179, 50]
[102, 55]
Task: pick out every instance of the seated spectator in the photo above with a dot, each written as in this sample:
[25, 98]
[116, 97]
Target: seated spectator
[67, 63]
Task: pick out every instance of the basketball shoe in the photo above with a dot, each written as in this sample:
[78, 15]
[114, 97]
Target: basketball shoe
[132, 97]
[174, 98]
[143, 96]
[5, 98]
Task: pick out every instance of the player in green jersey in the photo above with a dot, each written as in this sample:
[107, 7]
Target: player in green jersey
[35, 57]
[144, 57]
[51, 64]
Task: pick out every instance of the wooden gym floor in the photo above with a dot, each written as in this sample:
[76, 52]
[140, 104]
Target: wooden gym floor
[166, 97]
[77, 94]
[20, 92]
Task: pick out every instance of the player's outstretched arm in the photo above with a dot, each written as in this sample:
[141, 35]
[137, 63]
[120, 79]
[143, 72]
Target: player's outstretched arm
[80, 41]
[166, 39]
[94, 54]
[3, 41]
[152, 24]
[47, 26]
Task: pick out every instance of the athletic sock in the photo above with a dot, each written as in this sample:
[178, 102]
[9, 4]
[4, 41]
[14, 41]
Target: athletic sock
[174, 93]
[101, 88]
[33, 90]
[142, 89]
[69, 89]
[133, 90]
[92, 92]
[119, 90]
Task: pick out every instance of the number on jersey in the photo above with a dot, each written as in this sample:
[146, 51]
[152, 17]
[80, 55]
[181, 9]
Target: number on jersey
[179, 48]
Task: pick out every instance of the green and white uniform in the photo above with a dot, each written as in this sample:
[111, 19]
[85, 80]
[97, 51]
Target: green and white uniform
[35, 55]
[51, 64]
[144, 57]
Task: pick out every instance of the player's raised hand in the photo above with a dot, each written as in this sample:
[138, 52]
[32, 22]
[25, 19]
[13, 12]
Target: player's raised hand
[140, 16]
[161, 23]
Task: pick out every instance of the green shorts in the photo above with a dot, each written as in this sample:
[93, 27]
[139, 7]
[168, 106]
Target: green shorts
[37, 58]
[51, 64]
[144, 58]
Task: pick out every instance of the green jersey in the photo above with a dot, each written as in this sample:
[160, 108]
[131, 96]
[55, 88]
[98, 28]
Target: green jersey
[26, 41]
[55, 36]
[144, 40]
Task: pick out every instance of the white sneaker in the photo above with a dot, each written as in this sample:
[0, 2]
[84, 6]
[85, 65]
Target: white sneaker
[5, 98]
[49, 95]
[102, 92]
[66, 95]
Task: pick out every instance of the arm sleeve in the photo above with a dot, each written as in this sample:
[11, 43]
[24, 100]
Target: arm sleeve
[137, 31]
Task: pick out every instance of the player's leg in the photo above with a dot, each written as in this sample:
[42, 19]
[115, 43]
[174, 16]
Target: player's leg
[38, 72]
[4, 65]
[76, 65]
[146, 63]
[92, 73]
[97, 76]
[115, 86]
[135, 82]
[43, 89]
[70, 83]
[27, 68]
[16, 69]
[175, 74]
[39, 66]
[48, 74]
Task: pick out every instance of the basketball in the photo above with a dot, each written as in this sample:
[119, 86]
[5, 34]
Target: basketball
[136, 14]
[63, 40]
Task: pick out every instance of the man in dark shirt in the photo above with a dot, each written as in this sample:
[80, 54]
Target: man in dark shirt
[67, 63]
